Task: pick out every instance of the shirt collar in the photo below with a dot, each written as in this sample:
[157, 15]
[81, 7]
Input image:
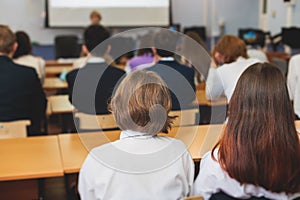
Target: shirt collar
[95, 60]
[167, 59]
[133, 134]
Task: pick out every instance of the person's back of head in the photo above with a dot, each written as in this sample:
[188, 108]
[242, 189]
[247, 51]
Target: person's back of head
[260, 144]
[145, 41]
[24, 44]
[142, 103]
[165, 43]
[7, 40]
[229, 47]
[94, 35]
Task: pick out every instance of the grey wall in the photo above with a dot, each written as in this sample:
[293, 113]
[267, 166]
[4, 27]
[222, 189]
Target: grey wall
[27, 15]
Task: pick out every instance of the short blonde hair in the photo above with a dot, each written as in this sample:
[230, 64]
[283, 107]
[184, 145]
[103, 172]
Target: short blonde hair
[142, 103]
[7, 39]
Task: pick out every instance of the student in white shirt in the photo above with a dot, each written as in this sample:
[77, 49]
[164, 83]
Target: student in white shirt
[230, 54]
[258, 154]
[141, 165]
[23, 55]
[293, 79]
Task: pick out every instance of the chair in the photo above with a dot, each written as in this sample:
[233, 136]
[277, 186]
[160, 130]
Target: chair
[88, 122]
[281, 64]
[290, 37]
[194, 198]
[66, 46]
[14, 129]
[185, 117]
[200, 30]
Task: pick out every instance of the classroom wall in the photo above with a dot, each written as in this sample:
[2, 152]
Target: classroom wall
[237, 14]
[276, 16]
[27, 15]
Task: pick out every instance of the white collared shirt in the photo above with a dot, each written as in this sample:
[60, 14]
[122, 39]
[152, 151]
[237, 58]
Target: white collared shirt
[37, 63]
[138, 166]
[213, 179]
[224, 78]
[293, 82]
[81, 62]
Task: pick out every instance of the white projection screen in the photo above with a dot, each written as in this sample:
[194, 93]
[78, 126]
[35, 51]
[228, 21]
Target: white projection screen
[115, 13]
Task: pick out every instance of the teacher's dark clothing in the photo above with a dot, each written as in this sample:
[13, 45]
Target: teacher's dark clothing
[22, 96]
[180, 81]
[91, 87]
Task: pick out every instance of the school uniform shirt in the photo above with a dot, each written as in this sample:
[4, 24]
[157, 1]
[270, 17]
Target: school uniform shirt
[138, 166]
[293, 82]
[224, 78]
[213, 179]
[37, 63]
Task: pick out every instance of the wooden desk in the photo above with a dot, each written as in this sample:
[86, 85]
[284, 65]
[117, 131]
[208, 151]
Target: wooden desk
[56, 70]
[54, 84]
[75, 147]
[203, 101]
[30, 158]
[25, 162]
[60, 104]
[55, 63]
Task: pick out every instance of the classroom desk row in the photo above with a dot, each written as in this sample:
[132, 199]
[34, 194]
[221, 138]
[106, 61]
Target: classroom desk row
[26, 162]
[52, 156]
[60, 104]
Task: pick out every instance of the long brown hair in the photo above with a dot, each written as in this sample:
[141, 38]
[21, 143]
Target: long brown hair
[260, 145]
[231, 47]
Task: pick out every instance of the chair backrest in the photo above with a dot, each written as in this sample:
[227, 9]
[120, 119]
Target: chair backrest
[290, 37]
[95, 122]
[281, 64]
[194, 198]
[200, 30]
[14, 129]
[185, 117]
[66, 46]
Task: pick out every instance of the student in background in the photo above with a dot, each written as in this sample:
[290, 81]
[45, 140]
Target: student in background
[148, 166]
[95, 18]
[179, 78]
[94, 86]
[293, 79]
[22, 96]
[230, 56]
[144, 58]
[259, 152]
[190, 54]
[23, 55]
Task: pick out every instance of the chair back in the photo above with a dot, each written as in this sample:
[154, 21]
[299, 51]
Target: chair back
[95, 122]
[14, 129]
[66, 46]
[185, 117]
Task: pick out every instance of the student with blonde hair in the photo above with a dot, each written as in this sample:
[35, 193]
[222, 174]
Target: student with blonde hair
[141, 164]
[258, 155]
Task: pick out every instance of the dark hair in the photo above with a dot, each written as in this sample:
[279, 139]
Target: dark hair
[94, 35]
[7, 39]
[260, 145]
[167, 40]
[146, 40]
[24, 44]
